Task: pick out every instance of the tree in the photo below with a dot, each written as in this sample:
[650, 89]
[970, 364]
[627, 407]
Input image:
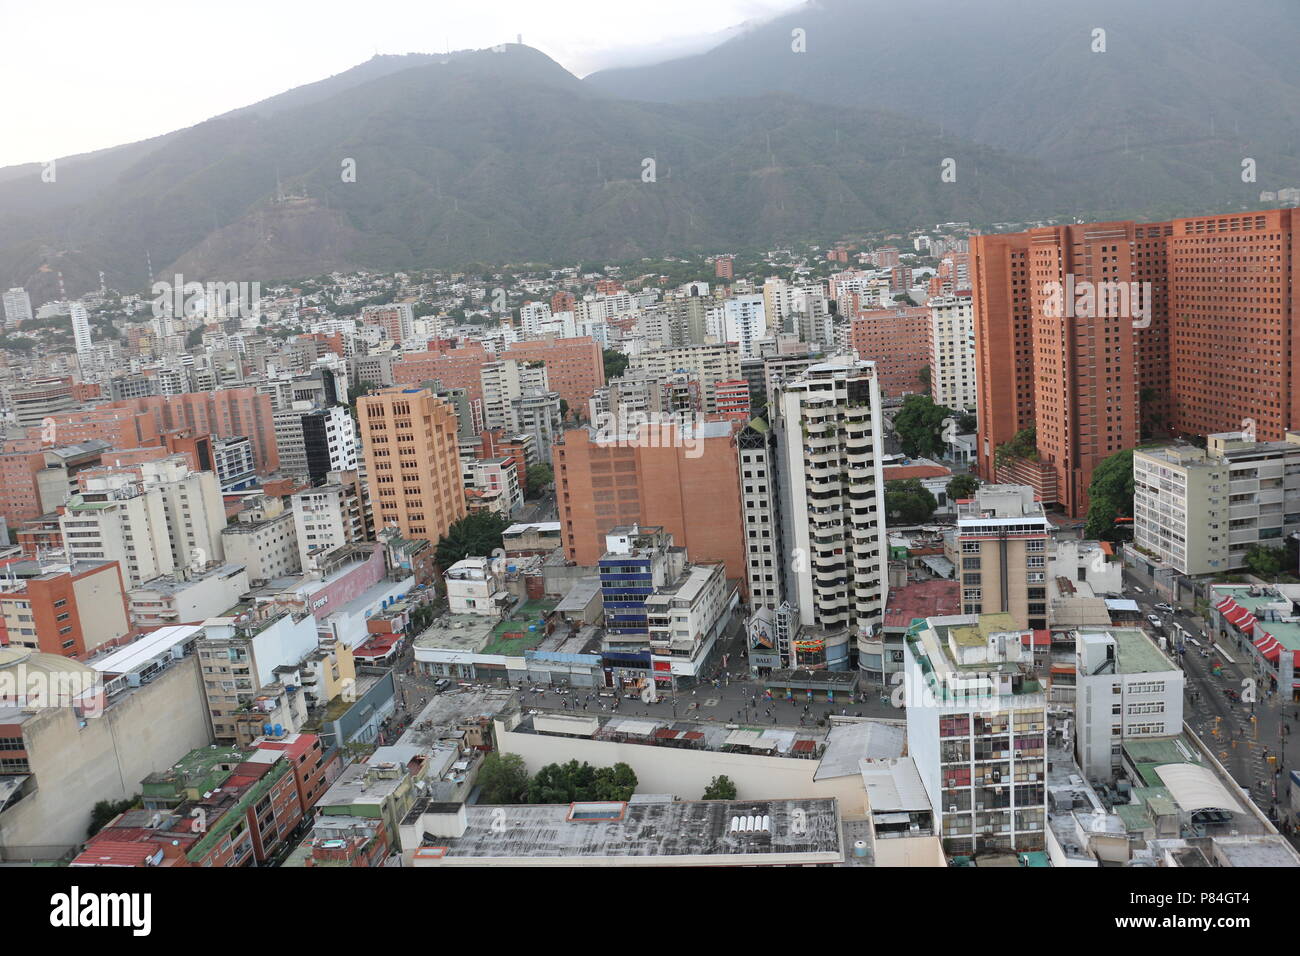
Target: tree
[908, 502]
[503, 777]
[962, 486]
[924, 377]
[919, 426]
[472, 536]
[564, 409]
[613, 783]
[538, 476]
[720, 788]
[1023, 444]
[1266, 562]
[615, 363]
[567, 782]
[1110, 496]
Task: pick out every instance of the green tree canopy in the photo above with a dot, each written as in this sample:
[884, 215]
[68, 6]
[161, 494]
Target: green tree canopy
[567, 782]
[1024, 444]
[1110, 496]
[615, 363]
[720, 788]
[472, 536]
[962, 486]
[919, 426]
[504, 778]
[538, 476]
[1266, 562]
[908, 502]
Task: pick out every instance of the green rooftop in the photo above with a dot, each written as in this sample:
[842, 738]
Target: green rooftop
[1150, 752]
[198, 771]
[530, 614]
[237, 814]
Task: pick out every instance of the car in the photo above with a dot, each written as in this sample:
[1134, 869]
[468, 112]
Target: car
[1167, 608]
[442, 684]
[1155, 621]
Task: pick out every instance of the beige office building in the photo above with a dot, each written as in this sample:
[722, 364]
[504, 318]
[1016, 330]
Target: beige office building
[1200, 511]
[1000, 550]
[412, 461]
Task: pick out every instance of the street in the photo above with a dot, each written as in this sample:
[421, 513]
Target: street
[1242, 744]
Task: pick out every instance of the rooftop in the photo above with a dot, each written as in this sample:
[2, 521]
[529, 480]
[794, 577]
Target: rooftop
[661, 833]
[922, 599]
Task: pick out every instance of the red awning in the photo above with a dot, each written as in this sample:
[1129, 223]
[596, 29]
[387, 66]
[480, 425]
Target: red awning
[1247, 624]
[1225, 605]
[1037, 638]
[1236, 616]
[1269, 647]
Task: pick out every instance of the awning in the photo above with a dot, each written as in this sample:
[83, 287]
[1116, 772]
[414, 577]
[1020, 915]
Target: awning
[1194, 788]
[1269, 647]
[1225, 605]
[1236, 615]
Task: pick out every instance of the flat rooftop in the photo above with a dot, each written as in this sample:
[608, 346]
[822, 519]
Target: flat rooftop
[776, 831]
[447, 711]
[170, 584]
[1135, 652]
[699, 735]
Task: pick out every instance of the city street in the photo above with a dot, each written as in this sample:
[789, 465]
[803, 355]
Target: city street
[1242, 745]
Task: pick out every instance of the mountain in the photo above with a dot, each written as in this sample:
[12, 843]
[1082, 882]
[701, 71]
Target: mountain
[503, 156]
[1161, 119]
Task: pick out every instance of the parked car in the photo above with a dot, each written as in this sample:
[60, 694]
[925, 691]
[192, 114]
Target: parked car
[1167, 608]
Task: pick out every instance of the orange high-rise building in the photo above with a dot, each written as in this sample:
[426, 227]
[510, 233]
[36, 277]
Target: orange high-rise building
[225, 413]
[412, 462]
[1193, 337]
[898, 341]
[655, 478]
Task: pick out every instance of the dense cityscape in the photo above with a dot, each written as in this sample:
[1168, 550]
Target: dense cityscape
[926, 544]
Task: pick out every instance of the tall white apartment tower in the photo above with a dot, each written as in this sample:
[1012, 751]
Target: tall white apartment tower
[81, 329]
[744, 322]
[952, 352]
[820, 503]
[17, 306]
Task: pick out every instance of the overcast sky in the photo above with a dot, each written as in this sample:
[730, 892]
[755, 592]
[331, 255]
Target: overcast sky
[80, 75]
